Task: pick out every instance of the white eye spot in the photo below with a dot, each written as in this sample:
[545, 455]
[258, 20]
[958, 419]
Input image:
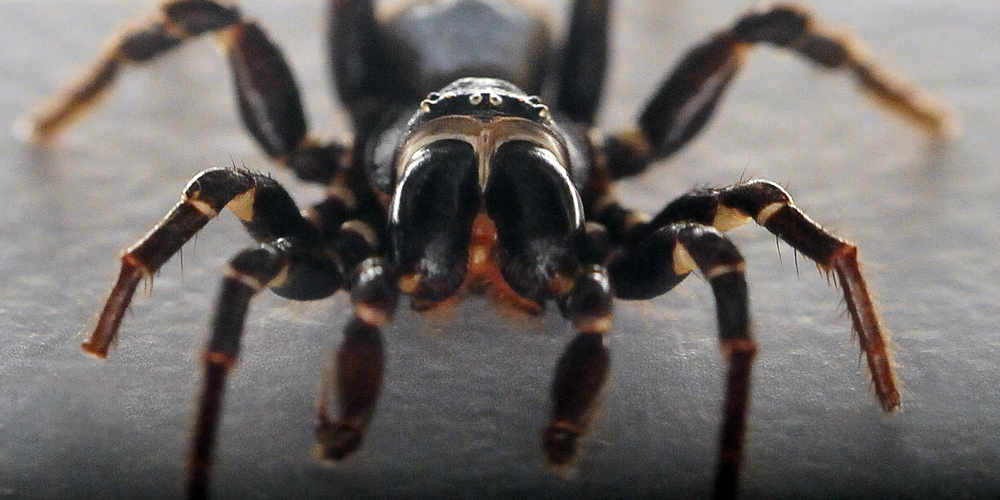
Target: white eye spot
[543, 111]
[475, 99]
[431, 99]
[495, 100]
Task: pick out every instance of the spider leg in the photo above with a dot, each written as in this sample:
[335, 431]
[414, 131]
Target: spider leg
[138, 43]
[361, 63]
[772, 207]
[686, 100]
[293, 260]
[357, 380]
[267, 94]
[293, 269]
[247, 274]
[655, 264]
[266, 209]
[583, 368]
[584, 61]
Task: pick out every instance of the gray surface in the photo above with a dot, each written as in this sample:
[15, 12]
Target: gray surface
[466, 394]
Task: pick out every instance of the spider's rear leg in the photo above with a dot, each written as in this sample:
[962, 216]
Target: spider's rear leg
[686, 100]
[659, 261]
[177, 21]
[772, 207]
[584, 61]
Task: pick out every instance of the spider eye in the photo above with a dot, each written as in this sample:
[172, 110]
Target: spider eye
[431, 216]
[536, 210]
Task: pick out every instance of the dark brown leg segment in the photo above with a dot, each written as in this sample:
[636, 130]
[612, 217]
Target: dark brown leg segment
[584, 61]
[248, 274]
[686, 100]
[658, 263]
[356, 382]
[580, 378]
[583, 369]
[362, 68]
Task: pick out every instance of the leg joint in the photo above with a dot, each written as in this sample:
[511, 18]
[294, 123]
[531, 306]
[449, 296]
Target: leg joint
[759, 199]
[195, 17]
[780, 25]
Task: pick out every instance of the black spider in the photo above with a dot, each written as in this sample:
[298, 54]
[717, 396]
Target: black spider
[460, 178]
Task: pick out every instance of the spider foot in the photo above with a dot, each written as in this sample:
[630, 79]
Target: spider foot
[576, 392]
[560, 441]
[337, 439]
[355, 384]
[132, 272]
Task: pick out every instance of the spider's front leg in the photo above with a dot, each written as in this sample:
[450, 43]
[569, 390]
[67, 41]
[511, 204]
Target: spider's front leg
[201, 201]
[658, 253]
[657, 262]
[297, 258]
[770, 206]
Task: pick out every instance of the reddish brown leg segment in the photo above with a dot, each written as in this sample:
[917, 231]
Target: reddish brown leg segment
[868, 326]
[118, 301]
[835, 254]
[357, 379]
[140, 261]
[357, 382]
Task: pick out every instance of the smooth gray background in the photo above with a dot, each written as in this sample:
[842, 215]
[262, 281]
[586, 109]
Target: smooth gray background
[466, 394]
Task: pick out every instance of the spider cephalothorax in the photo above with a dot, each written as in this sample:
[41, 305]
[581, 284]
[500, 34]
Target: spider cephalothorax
[478, 184]
[481, 146]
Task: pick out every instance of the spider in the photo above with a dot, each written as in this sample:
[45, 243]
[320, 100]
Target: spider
[459, 178]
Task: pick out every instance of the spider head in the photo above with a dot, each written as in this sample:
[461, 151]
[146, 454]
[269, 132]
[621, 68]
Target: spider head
[481, 146]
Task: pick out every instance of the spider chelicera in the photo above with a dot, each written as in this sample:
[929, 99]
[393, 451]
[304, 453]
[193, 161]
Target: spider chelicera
[460, 178]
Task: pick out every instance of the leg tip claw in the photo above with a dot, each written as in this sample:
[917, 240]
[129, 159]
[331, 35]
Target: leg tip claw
[93, 348]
